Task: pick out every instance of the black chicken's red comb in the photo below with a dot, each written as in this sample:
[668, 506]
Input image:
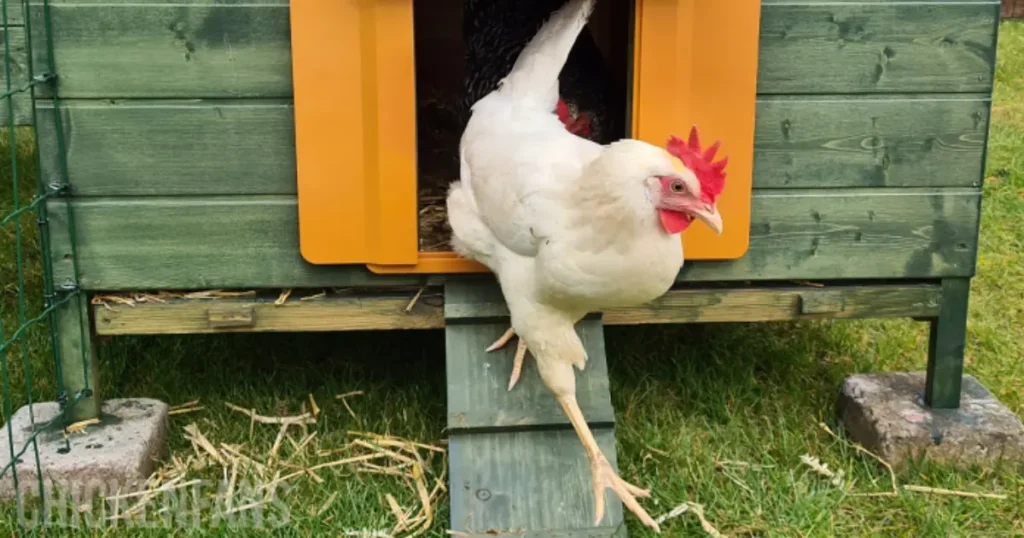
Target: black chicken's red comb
[711, 175]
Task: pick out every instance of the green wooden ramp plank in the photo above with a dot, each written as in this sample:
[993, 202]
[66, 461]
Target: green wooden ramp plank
[535, 481]
[477, 382]
[516, 466]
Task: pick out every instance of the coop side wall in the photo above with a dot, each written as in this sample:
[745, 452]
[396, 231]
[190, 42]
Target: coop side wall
[870, 135]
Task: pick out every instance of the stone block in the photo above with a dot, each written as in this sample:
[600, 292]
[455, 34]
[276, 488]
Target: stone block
[119, 452]
[886, 413]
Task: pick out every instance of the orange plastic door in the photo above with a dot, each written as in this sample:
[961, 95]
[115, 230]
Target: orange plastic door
[695, 63]
[355, 130]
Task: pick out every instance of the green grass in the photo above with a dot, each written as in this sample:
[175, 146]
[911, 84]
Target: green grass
[686, 396]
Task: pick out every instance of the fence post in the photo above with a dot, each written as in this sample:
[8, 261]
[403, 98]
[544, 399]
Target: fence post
[79, 369]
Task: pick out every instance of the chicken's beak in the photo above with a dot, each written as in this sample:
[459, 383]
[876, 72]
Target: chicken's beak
[708, 214]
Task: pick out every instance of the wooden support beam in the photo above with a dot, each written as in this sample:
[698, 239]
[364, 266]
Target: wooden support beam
[389, 310]
[79, 367]
[946, 346]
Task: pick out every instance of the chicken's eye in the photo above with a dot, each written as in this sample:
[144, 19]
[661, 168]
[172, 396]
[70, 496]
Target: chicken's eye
[677, 187]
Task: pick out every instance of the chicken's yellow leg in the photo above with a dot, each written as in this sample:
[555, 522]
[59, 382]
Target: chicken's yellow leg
[604, 475]
[517, 365]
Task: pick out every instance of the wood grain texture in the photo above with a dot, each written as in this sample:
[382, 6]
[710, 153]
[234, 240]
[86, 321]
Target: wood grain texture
[881, 47]
[478, 398]
[252, 242]
[227, 49]
[354, 313]
[234, 147]
[504, 483]
[372, 311]
[183, 147]
[247, 242]
[695, 305]
[871, 233]
[196, 49]
[780, 304]
[18, 57]
[912, 141]
[15, 14]
[78, 359]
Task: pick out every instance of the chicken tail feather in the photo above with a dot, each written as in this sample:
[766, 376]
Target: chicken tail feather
[534, 77]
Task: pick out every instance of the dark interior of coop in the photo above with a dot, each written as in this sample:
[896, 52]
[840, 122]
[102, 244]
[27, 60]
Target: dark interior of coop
[441, 73]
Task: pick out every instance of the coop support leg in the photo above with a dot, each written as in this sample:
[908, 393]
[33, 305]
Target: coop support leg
[946, 346]
[79, 370]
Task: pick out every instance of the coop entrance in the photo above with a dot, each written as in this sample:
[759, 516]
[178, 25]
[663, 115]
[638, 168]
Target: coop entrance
[381, 100]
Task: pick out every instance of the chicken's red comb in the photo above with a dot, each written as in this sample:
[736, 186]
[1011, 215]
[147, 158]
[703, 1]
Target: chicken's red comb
[562, 110]
[710, 174]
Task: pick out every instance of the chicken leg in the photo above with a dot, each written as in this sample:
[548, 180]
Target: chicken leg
[517, 365]
[604, 475]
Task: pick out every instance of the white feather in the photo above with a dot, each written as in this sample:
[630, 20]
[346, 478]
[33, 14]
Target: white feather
[566, 224]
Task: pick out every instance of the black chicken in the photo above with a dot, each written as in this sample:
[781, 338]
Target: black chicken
[496, 31]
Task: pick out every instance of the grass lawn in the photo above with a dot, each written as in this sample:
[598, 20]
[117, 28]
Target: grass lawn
[687, 397]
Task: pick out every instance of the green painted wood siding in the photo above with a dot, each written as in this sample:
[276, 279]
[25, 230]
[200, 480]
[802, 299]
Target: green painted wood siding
[872, 120]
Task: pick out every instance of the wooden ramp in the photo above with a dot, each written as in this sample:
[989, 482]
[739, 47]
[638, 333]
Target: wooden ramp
[516, 467]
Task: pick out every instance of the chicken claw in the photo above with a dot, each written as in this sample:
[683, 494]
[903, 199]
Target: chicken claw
[500, 342]
[517, 365]
[606, 477]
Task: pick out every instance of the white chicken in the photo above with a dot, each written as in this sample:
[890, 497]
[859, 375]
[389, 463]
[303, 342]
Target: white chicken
[570, 226]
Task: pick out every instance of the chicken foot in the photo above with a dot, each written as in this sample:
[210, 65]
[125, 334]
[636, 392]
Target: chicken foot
[604, 475]
[517, 365]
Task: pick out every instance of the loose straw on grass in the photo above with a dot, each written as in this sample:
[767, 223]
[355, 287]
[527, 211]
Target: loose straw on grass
[197, 437]
[956, 493]
[907, 487]
[892, 474]
[344, 401]
[304, 418]
[698, 510]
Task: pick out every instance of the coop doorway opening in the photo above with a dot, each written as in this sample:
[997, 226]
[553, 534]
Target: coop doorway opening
[464, 47]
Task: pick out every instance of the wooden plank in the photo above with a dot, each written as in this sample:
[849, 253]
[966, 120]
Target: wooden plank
[914, 141]
[137, 147]
[226, 49]
[741, 304]
[183, 147]
[478, 398]
[252, 242]
[881, 47]
[780, 304]
[337, 313]
[946, 343]
[15, 14]
[227, 243]
[78, 359]
[18, 57]
[387, 311]
[502, 484]
[902, 233]
[197, 49]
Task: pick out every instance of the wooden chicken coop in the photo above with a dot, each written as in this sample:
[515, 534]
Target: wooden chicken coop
[259, 146]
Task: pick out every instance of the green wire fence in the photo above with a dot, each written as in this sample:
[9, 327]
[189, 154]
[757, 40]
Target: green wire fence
[31, 364]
